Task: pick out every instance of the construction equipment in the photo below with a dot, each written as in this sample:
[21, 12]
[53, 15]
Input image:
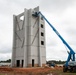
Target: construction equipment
[69, 65]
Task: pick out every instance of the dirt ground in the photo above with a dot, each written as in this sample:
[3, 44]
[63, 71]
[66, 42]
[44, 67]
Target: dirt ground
[33, 71]
[27, 71]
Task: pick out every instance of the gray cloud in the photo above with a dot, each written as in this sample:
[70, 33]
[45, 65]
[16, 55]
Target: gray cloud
[51, 43]
[56, 5]
[60, 12]
[71, 31]
[5, 56]
[56, 53]
[5, 50]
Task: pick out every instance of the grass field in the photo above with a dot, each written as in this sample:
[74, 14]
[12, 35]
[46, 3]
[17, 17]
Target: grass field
[60, 72]
[33, 71]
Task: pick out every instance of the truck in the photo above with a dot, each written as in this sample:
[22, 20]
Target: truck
[70, 64]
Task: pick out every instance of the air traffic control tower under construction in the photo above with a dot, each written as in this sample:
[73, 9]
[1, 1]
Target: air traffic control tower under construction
[29, 46]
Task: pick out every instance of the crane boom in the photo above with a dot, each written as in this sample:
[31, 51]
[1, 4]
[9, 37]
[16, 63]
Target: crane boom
[71, 55]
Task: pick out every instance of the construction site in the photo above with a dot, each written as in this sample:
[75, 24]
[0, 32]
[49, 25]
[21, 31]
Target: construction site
[29, 47]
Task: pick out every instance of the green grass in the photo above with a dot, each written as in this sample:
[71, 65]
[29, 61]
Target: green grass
[59, 72]
[2, 74]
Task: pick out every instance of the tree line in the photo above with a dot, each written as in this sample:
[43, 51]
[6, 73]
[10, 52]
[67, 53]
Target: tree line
[56, 62]
[6, 61]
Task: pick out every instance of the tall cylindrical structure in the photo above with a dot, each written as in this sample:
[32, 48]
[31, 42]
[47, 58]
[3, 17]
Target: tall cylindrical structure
[29, 48]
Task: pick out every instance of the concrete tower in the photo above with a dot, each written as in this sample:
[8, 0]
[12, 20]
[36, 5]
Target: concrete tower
[29, 48]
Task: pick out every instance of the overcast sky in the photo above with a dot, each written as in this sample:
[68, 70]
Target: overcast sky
[60, 13]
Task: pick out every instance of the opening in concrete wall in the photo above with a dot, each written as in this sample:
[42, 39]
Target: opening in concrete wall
[32, 62]
[42, 42]
[22, 18]
[18, 63]
[42, 26]
[42, 34]
[22, 62]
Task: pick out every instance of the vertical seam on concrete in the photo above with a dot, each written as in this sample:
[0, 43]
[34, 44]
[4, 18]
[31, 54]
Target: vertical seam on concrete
[17, 23]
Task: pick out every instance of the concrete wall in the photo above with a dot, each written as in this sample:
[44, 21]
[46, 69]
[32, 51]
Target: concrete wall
[27, 36]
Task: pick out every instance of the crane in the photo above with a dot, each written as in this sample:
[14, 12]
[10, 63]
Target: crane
[71, 54]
